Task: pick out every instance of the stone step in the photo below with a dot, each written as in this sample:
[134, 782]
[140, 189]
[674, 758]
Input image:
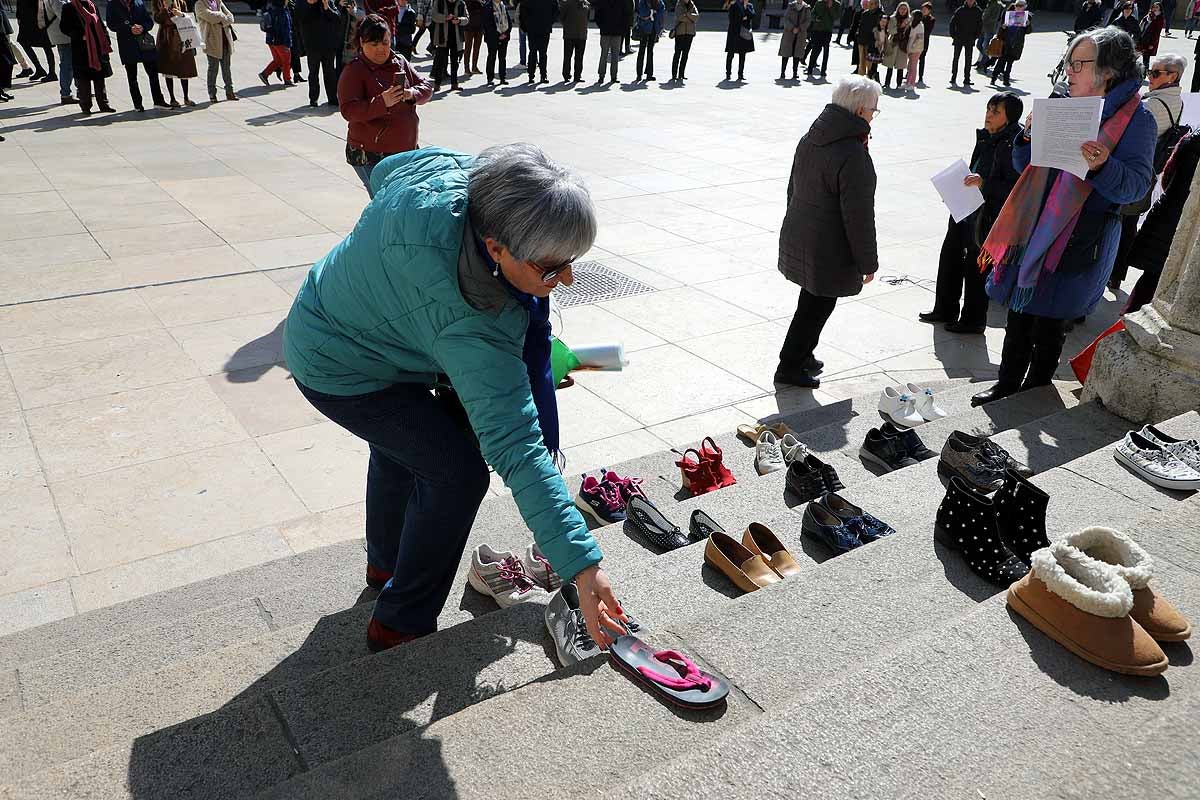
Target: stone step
[326, 713]
[986, 706]
[302, 596]
[801, 635]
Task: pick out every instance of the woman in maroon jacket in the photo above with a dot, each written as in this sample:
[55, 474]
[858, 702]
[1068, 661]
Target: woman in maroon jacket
[378, 93]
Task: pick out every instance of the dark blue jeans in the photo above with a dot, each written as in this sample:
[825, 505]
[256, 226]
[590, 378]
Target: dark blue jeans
[425, 482]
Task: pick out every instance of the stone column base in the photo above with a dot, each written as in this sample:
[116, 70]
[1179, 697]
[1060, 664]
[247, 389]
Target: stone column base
[1138, 384]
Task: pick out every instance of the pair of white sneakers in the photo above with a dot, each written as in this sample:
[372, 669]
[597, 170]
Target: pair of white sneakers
[772, 453]
[909, 405]
[1161, 459]
[509, 580]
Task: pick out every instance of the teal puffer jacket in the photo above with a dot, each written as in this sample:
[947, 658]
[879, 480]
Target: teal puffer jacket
[385, 307]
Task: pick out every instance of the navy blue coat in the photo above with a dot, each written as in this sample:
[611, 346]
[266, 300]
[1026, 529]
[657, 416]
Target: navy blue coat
[120, 20]
[1125, 177]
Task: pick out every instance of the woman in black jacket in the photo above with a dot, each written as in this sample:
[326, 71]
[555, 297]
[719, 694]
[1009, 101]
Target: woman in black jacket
[322, 30]
[827, 242]
[132, 23]
[1153, 242]
[993, 172]
[739, 37]
[864, 34]
[497, 31]
[32, 37]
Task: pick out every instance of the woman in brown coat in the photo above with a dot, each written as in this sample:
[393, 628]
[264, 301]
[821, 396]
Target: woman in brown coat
[173, 60]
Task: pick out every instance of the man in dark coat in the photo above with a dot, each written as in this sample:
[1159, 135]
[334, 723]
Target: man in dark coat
[827, 243]
[321, 23]
[130, 21]
[537, 20]
[966, 25]
[993, 172]
[613, 18]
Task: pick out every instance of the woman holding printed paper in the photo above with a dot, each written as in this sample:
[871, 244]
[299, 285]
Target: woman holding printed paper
[174, 61]
[1052, 247]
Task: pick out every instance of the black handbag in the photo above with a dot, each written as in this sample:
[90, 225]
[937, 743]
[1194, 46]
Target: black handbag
[145, 42]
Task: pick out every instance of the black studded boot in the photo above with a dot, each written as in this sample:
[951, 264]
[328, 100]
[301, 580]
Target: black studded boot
[966, 522]
[1021, 515]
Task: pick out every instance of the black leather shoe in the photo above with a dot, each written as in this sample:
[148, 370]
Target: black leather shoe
[804, 480]
[934, 316]
[957, 326]
[643, 517]
[701, 526]
[814, 365]
[998, 391]
[801, 378]
[913, 446]
[885, 452]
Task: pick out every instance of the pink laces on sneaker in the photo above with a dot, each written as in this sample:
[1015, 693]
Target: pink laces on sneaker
[629, 487]
[690, 675]
[610, 493]
[513, 571]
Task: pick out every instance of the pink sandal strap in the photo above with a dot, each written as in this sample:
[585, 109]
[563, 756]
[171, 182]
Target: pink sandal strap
[690, 675]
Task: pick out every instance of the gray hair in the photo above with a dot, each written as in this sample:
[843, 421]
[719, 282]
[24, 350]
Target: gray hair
[540, 210]
[855, 92]
[1117, 59]
[1171, 63]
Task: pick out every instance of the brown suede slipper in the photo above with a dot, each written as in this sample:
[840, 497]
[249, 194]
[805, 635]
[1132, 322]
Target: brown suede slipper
[1150, 610]
[1084, 605]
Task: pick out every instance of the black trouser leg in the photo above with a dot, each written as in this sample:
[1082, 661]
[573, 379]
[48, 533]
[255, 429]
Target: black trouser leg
[782, 67]
[1129, 225]
[152, 76]
[171, 89]
[50, 61]
[440, 56]
[921, 65]
[455, 56]
[728, 65]
[1048, 337]
[135, 93]
[888, 80]
[297, 63]
[314, 77]
[490, 61]
[580, 48]
[1017, 351]
[33, 59]
[949, 276]
[812, 312]
[648, 45]
[330, 69]
[686, 48]
[503, 59]
[975, 298]
[568, 49]
[741, 66]
[83, 89]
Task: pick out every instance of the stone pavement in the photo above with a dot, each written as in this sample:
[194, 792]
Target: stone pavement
[150, 436]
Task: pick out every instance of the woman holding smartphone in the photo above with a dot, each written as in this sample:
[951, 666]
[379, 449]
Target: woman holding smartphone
[378, 94]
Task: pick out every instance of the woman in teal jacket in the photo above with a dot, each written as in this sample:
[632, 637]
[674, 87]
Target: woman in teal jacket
[444, 284]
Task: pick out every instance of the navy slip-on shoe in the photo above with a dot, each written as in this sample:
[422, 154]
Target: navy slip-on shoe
[824, 526]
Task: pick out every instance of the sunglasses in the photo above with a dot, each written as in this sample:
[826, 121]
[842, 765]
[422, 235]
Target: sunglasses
[549, 274]
[1154, 73]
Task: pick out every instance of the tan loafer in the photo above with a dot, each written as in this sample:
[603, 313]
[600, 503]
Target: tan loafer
[750, 433]
[1151, 610]
[748, 571]
[759, 539]
[1084, 605]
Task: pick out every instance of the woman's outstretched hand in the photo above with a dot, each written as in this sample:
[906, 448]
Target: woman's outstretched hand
[601, 610]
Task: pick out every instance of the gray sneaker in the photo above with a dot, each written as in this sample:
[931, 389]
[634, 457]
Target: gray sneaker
[564, 620]
[967, 457]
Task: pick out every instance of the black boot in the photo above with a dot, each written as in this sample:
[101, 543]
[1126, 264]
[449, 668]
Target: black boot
[966, 523]
[1021, 515]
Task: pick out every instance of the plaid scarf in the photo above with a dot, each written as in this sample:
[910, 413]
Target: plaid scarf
[1033, 240]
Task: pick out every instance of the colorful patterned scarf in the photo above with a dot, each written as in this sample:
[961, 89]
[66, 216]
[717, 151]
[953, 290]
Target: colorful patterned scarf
[1033, 240]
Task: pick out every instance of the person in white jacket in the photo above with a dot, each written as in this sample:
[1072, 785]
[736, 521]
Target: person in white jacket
[62, 43]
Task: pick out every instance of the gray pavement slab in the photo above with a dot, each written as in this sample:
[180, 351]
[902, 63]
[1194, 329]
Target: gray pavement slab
[10, 692]
[114, 661]
[227, 754]
[580, 723]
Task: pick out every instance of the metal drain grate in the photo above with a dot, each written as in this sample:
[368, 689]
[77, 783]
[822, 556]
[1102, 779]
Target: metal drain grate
[595, 282]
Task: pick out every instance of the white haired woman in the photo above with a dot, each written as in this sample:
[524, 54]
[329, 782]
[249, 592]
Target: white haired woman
[827, 243]
[444, 285]
[1053, 246]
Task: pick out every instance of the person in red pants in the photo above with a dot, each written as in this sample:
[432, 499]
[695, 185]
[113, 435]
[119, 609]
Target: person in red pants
[277, 24]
